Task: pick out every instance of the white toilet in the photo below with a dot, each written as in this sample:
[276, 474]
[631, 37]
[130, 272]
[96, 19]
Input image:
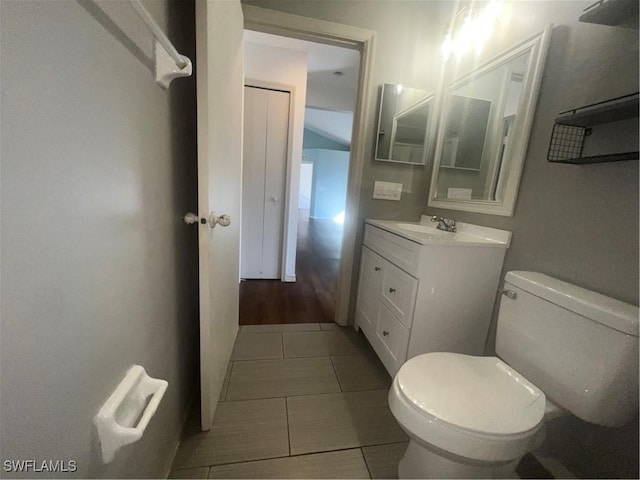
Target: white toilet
[561, 348]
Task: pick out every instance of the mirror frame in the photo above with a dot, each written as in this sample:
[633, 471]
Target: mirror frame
[537, 46]
[430, 100]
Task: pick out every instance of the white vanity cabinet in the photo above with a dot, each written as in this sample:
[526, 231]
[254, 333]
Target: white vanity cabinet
[422, 290]
[386, 299]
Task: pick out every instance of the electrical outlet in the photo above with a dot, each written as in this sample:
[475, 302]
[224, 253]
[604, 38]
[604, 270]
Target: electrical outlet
[387, 191]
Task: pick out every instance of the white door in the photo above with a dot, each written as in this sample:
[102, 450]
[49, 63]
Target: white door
[219, 57]
[266, 127]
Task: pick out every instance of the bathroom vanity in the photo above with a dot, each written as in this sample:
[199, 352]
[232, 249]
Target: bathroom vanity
[425, 290]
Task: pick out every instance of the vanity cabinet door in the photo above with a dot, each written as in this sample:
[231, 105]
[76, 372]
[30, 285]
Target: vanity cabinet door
[369, 291]
[392, 339]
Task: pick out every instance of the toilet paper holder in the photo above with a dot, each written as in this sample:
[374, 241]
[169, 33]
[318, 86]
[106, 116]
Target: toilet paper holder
[125, 415]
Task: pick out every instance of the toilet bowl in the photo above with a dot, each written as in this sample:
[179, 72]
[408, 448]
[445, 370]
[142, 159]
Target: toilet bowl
[475, 417]
[467, 417]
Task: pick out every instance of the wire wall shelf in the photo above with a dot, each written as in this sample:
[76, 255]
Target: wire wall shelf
[573, 126]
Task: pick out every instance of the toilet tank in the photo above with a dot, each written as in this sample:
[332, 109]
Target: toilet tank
[579, 347]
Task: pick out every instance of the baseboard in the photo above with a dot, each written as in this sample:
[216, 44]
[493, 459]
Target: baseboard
[184, 417]
[553, 465]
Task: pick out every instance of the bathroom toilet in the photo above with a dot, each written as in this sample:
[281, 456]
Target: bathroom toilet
[562, 349]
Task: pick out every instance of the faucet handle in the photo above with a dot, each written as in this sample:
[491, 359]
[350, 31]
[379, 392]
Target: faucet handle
[446, 224]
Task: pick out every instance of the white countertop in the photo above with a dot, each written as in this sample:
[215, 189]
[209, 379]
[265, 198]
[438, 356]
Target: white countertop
[425, 232]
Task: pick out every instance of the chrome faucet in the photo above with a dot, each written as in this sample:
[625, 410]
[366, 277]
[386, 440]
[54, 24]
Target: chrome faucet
[445, 224]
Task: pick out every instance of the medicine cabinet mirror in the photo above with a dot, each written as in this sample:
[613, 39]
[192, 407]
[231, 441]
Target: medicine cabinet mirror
[484, 130]
[404, 124]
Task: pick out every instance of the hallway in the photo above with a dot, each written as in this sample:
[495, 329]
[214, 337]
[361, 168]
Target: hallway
[311, 299]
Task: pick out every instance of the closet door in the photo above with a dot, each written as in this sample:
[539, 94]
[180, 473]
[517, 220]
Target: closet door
[266, 127]
[253, 154]
[274, 184]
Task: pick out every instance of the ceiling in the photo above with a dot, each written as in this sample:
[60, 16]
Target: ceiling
[330, 97]
[321, 57]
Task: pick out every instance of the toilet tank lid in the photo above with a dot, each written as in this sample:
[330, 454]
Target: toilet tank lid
[595, 306]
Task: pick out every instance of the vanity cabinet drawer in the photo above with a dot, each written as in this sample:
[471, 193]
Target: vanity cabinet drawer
[399, 293]
[392, 338]
[399, 251]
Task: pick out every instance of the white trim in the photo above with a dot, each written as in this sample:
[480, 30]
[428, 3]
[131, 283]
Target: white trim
[305, 28]
[286, 243]
[538, 46]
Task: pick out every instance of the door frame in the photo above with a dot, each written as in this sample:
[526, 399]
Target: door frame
[289, 187]
[346, 36]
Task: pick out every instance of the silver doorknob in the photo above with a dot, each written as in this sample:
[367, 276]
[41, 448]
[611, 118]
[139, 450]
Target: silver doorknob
[275, 199]
[222, 220]
[190, 218]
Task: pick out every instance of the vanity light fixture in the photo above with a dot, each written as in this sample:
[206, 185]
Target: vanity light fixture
[471, 28]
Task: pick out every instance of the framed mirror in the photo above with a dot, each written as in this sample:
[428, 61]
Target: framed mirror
[484, 130]
[404, 124]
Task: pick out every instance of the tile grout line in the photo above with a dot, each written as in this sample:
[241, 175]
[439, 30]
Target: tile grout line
[210, 466]
[283, 457]
[226, 393]
[335, 372]
[366, 464]
[286, 409]
[355, 447]
[327, 393]
[307, 395]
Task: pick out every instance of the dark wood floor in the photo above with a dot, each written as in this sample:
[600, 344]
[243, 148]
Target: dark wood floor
[311, 299]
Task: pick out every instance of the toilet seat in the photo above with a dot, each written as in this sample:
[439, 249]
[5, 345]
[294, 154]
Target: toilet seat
[474, 407]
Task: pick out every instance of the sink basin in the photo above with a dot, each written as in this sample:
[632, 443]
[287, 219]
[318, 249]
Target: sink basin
[419, 228]
[425, 232]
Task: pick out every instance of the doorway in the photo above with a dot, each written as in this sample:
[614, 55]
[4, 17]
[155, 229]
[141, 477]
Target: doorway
[361, 40]
[317, 188]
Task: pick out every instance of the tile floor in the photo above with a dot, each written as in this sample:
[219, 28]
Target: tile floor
[305, 401]
[299, 401]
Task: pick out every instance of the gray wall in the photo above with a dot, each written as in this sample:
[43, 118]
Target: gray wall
[406, 51]
[329, 183]
[98, 270]
[406, 48]
[578, 223]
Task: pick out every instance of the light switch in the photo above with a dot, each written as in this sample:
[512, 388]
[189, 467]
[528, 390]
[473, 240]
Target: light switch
[387, 190]
[378, 190]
